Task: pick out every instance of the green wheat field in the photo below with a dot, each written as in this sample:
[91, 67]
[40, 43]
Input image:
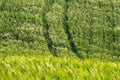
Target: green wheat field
[59, 39]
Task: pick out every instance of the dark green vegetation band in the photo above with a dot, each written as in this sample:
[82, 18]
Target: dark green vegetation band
[62, 26]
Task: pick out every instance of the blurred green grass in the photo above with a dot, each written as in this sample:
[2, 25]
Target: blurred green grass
[56, 68]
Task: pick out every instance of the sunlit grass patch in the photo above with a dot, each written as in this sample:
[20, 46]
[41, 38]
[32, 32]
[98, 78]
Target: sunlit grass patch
[49, 67]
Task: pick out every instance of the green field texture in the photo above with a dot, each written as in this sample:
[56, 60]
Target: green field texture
[62, 26]
[50, 67]
[59, 39]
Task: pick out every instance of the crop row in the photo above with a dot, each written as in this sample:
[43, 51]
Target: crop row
[61, 26]
[47, 68]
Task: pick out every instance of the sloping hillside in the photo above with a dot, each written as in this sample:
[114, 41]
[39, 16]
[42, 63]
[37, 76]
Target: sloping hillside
[60, 27]
[59, 39]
